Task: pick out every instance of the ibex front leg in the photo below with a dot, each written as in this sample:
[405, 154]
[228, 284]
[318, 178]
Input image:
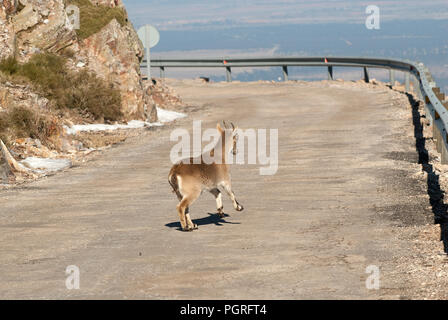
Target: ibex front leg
[228, 187]
[218, 197]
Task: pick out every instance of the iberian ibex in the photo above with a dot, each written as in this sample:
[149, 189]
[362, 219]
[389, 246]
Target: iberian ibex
[189, 178]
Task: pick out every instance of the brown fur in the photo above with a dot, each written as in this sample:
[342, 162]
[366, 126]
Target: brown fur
[188, 180]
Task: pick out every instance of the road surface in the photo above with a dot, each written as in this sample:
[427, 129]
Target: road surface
[310, 231]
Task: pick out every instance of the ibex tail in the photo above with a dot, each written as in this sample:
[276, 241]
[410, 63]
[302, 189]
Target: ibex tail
[172, 180]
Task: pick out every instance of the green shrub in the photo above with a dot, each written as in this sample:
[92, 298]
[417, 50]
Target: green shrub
[47, 72]
[94, 18]
[95, 96]
[67, 53]
[9, 66]
[81, 91]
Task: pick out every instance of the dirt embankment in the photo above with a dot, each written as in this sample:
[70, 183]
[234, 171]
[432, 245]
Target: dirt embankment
[63, 143]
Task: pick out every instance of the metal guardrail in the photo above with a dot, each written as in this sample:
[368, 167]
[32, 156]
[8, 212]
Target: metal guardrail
[424, 85]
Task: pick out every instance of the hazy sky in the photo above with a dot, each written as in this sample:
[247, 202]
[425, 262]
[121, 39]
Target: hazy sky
[205, 14]
[410, 29]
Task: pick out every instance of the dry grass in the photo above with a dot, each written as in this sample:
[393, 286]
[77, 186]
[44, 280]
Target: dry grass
[22, 122]
[94, 18]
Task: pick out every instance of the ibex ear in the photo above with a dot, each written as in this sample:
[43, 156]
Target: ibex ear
[218, 126]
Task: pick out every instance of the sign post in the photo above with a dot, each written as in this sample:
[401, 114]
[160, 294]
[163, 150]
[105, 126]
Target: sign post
[150, 38]
[148, 60]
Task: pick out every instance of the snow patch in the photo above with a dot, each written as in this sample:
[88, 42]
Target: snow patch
[168, 116]
[134, 124]
[163, 115]
[45, 164]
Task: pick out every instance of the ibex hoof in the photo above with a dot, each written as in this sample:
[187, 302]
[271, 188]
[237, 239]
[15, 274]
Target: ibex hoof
[188, 229]
[221, 212]
[239, 208]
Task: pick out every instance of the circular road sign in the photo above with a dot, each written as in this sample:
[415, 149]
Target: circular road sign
[149, 36]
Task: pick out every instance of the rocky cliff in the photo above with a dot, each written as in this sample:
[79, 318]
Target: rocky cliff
[105, 42]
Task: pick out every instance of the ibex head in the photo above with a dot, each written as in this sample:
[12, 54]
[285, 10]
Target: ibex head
[229, 131]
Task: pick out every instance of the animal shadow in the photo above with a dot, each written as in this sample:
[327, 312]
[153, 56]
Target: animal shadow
[213, 218]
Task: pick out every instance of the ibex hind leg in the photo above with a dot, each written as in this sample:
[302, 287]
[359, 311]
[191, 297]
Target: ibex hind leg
[190, 225]
[174, 182]
[180, 197]
[218, 197]
[185, 219]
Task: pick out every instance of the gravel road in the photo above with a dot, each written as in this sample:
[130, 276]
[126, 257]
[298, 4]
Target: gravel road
[310, 231]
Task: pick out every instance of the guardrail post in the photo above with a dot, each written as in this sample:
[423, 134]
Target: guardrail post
[162, 72]
[285, 73]
[416, 85]
[414, 90]
[229, 74]
[330, 72]
[366, 75]
[392, 77]
[406, 82]
[419, 89]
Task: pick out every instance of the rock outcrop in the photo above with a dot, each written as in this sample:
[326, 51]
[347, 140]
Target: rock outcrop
[113, 53]
[7, 35]
[21, 95]
[41, 25]
[161, 95]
